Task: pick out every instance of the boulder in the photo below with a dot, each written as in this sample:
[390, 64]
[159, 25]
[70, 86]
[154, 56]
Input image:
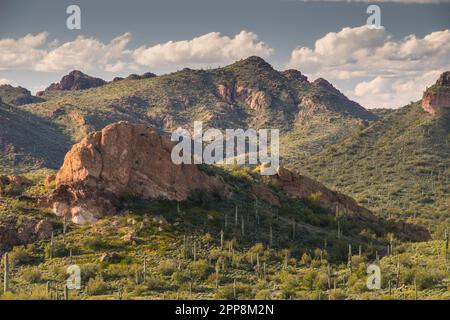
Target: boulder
[121, 160]
[110, 257]
[43, 229]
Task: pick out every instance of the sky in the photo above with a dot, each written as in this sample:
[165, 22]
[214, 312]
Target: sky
[386, 67]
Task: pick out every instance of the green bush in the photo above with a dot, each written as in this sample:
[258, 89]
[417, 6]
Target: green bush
[201, 269]
[96, 286]
[20, 256]
[243, 291]
[167, 267]
[32, 275]
[89, 271]
[95, 244]
[57, 250]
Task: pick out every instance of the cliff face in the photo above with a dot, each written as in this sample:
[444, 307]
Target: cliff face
[433, 101]
[438, 96]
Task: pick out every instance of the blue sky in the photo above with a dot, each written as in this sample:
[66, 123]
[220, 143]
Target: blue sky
[383, 68]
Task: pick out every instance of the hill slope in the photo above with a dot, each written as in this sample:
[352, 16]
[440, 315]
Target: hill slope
[28, 141]
[398, 165]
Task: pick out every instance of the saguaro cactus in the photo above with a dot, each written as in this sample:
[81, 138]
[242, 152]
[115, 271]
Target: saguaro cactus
[6, 273]
[270, 236]
[447, 236]
[349, 263]
[293, 229]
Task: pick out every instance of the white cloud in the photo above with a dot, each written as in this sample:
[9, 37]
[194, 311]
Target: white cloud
[210, 48]
[36, 52]
[86, 54]
[394, 92]
[22, 52]
[362, 53]
[7, 81]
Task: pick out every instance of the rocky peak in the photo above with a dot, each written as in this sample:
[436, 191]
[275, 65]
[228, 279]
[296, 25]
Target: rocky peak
[444, 79]
[75, 80]
[324, 84]
[293, 74]
[437, 97]
[253, 62]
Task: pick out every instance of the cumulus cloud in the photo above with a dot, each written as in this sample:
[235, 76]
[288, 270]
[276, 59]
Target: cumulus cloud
[394, 92]
[375, 54]
[210, 48]
[86, 53]
[22, 52]
[37, 52]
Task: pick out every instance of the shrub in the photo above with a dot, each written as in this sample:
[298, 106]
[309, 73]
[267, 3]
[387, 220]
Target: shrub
[20, 256]
[96, 286]
[243, 291]
[200, 270]
[167, 267]
[95, 244]
[57, 250]
[89, 271]
[32, 275]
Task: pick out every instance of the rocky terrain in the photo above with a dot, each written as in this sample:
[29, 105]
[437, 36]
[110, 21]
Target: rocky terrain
[75, 80]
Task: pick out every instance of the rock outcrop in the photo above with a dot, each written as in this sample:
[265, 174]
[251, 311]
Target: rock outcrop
[75, 80]
[437, 97]
[301, 186]
[293, 74]
[13, 183]
[121, 160]
[13, 233]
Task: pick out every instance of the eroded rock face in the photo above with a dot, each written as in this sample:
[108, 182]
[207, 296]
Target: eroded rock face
[433, 101]
[438, 96]
[121, 160]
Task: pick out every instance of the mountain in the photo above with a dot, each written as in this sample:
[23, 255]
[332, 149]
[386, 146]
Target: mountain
[17, 96]
[75, 80]
[28, 141]
[398, 166]
[248, 93]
